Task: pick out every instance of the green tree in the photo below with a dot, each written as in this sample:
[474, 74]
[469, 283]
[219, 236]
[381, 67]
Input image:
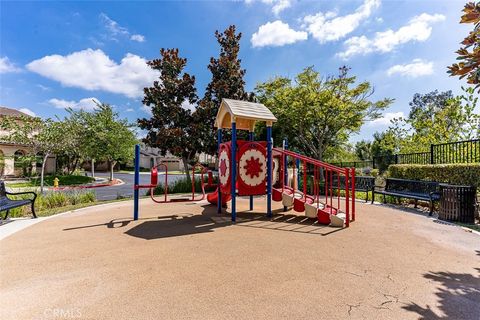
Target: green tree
[318, 113]
[383, 149]
[84, 138]
[227, 82]
[43, 137]
[363, 150]
[172, 127]
[436, 117]
[73, 140]
[469, 54]
[469, 102]
[107, 137]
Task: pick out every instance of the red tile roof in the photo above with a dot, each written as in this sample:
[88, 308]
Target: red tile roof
[4, 111]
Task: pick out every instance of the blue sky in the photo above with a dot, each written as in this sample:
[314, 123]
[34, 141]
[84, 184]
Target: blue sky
[62, 54]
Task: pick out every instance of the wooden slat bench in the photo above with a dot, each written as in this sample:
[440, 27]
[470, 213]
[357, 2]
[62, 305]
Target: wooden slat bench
[6, 204]
[410, 189]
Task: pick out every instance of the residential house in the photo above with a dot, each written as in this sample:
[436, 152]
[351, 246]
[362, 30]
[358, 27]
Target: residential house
[12, 162]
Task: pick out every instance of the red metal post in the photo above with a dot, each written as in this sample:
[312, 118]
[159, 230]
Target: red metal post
[166, 183]
[338, 191]
[331, 191]
[304, 179]
[353, 194]
[347, 202]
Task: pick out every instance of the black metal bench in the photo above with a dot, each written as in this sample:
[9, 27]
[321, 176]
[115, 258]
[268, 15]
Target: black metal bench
[362, 183]
[410, 189]
[6, 204]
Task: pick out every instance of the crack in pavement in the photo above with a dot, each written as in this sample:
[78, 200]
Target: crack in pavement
[351, 306]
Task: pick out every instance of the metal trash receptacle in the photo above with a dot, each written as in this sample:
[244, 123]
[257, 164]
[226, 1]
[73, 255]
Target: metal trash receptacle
[458, 203]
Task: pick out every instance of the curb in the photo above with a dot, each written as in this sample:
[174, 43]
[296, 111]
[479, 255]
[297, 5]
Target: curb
[118, 182]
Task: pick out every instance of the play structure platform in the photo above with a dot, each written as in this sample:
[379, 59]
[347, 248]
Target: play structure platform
[254, 168]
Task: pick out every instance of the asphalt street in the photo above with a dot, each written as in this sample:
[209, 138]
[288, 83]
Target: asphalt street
[126, 189]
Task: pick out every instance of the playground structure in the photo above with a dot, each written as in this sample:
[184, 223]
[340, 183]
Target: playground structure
[252, 168]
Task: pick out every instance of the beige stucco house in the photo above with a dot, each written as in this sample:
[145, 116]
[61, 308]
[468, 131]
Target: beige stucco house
[11, 153]
[150, 157]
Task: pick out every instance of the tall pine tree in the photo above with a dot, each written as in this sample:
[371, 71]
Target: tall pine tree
[227, 82]
[172, 127]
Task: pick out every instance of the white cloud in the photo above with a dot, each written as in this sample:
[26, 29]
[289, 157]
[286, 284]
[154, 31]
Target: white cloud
[329, 27]
[147, 110]
[137, 37]
[6, 66]
[277, 5]
[188, 106]
[386, 119]
[419, 28]
[93, 70]
[113, 27]
[27, 111]
[129, 110]
[115, 30]
[84, 104]
[277, 34]
[416, 69]
[44, 88]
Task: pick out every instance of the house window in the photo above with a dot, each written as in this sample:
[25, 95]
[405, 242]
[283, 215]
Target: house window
[21, 163]
[19, 160]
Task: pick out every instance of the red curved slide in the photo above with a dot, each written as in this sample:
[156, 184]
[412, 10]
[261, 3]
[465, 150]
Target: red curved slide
[213, 197]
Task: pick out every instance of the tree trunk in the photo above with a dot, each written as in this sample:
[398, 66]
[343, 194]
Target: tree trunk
[93, 168]
[185, 167]
[112, 164]
[73, 167]
[320, 158]
[43, 171]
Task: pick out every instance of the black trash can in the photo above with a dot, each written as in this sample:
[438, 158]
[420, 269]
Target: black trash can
[458, 203]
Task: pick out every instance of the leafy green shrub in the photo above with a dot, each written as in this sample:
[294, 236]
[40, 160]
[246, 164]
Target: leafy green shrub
[460, 173]
[181, 185]
[374, 172]
[53, 199]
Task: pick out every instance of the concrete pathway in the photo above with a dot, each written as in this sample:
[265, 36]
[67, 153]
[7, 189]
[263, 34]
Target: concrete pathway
[12, 225]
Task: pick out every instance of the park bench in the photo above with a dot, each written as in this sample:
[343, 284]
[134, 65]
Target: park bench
[410, 189]
[362, 183]
[6, 204]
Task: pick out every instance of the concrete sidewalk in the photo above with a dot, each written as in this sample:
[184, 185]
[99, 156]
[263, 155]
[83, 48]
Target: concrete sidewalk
[12, 225]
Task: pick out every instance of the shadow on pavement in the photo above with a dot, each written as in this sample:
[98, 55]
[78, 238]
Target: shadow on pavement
[458, 297]
[188, 224]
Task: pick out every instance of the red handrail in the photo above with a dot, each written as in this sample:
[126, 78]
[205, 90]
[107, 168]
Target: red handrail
[202, 184]
[329, 171]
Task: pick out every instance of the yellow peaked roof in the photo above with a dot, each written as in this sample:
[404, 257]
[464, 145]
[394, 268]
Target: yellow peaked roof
[243, 113]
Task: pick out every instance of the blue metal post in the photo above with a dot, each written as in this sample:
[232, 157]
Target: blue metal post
[233, 171]
[219, 192]
[285, 173]
[269, 171]
[136, 182]
[251, 137]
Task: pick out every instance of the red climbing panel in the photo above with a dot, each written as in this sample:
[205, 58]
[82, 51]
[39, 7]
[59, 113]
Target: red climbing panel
[224, 168]
[252, 169]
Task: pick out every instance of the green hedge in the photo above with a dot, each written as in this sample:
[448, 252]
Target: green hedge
[460, 173]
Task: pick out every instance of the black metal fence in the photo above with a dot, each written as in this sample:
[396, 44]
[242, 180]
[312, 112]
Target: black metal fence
[452, 152]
